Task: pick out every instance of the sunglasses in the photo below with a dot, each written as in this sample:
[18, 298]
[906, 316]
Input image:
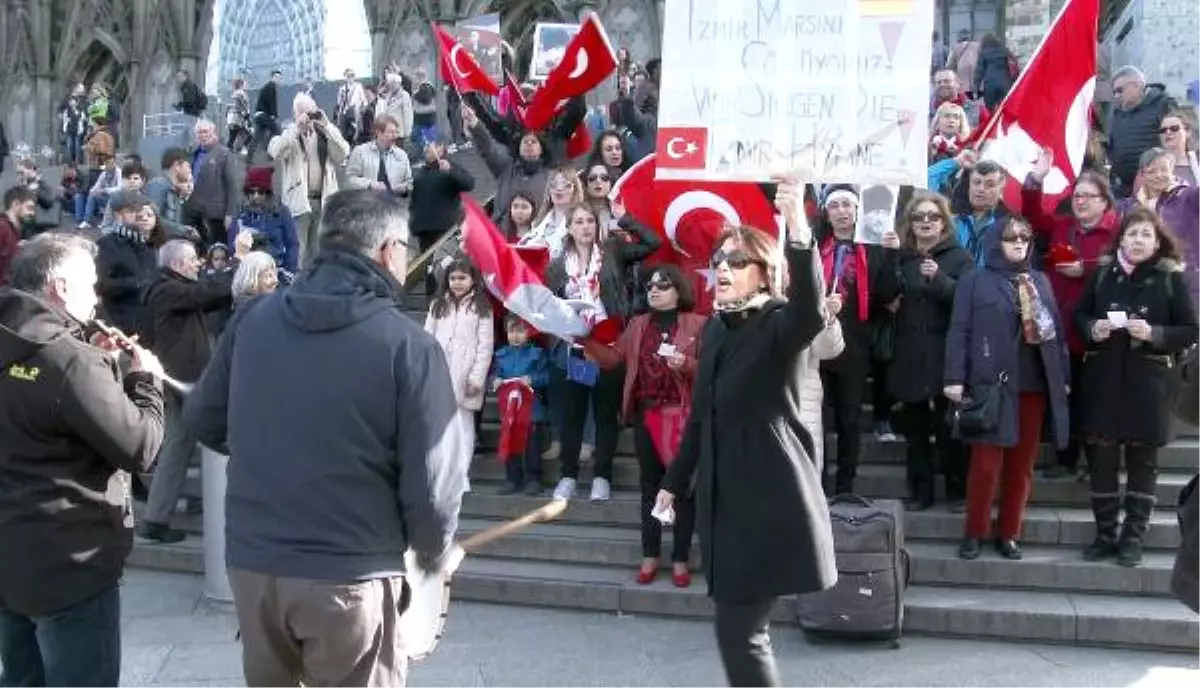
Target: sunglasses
[1020, 238]
[925, 217]
[599, 178]
[256, 192]
[659, 285]
[1174, 129]
[736, 259]
[559, 184]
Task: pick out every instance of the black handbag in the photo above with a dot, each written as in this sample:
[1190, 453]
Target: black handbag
[978, 413]
[883, 340]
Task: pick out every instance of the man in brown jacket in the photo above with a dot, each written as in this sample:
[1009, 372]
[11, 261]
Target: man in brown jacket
[71, 430]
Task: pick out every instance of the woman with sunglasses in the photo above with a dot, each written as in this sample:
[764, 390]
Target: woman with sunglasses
[1130, 376]
[745, 454]
[1077, 242]
[1005, 345]
[930, 263]
[268, 220]
[564, 191]
[1176, 136]
[592, 270]
[1176, 203]
[658, 350]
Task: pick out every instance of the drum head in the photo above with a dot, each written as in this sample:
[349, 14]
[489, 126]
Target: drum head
[422, 624]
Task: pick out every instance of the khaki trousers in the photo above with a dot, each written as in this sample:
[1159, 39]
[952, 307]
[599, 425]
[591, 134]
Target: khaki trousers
[319, 633]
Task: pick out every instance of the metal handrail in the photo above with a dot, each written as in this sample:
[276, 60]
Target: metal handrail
[421, 264]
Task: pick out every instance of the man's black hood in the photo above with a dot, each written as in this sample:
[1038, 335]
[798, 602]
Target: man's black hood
[340, 290]
[28, 323]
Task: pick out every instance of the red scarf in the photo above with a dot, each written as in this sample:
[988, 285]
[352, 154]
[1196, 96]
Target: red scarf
[857, 261]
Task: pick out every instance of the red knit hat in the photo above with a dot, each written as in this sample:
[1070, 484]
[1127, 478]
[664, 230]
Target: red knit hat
[259, 178]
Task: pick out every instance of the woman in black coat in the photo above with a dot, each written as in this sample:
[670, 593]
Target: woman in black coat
[992, 76]
[762, 517]
[1006, 342]
[931, 262]
[1129, 372]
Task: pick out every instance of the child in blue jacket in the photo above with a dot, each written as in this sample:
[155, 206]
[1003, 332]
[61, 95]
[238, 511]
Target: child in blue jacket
[523, 359]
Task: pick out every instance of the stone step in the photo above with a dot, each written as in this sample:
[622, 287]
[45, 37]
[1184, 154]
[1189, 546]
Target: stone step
[1181, 455]
[1044, 616]
[874, 480]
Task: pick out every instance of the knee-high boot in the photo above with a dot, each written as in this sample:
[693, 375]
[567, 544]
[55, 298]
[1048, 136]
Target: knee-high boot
[1141, 466]
[1105, 461]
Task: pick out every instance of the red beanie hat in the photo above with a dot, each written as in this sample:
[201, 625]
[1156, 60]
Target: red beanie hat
[259, 178]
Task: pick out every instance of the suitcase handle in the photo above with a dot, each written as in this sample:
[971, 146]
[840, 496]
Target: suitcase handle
[851, 499]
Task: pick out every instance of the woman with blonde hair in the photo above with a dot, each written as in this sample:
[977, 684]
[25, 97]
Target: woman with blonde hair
[746, 457]
[564, 191]
[950, 129]
[930, 264]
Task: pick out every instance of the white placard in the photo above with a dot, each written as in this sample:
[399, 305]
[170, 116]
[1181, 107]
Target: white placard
[755, 87]
[549, 45]
[878, 208]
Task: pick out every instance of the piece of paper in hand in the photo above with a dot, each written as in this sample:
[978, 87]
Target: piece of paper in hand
[1118, 318]
[665, 516]
[666, 349]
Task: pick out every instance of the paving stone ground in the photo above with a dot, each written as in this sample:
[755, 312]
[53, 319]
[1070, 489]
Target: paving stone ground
[173, 637]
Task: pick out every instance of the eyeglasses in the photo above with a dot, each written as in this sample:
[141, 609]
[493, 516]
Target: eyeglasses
[925, 217]
[598, 178]
[559, 184]
[1173, 128]
[1020, 238]
[659, 285]
[736, 259]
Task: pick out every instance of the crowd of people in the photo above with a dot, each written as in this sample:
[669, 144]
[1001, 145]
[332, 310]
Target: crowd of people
[273, 309]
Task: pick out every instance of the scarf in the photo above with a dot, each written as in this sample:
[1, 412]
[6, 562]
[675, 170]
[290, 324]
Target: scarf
[746, 304]
[583, 282]
[1037, 324]
[837, 263]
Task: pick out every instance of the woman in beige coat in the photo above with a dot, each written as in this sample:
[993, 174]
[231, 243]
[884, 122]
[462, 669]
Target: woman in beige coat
[826, 346]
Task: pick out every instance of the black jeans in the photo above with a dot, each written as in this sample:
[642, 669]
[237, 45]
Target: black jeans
[77, 646]
[844, 383]
[1141, 483]
[606, 403]
[922, 420]
[745, 644]
[651, 472]
[424, 243]
[881, 396]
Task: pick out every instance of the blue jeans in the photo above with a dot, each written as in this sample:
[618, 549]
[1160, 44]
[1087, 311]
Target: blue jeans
[76, 646]
[78, 208]
[74, 148]
[93, 206]
[424, 135]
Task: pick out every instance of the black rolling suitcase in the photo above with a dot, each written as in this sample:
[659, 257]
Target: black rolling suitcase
[868, 600]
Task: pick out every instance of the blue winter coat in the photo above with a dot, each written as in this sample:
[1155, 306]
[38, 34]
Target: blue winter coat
[519, 361]
[983, 339]
[278, 229]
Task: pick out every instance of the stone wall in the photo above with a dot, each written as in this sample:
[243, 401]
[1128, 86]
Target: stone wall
[1170, 42]
[1026, 23]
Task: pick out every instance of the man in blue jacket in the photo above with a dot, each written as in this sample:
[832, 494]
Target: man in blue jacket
[338, 414]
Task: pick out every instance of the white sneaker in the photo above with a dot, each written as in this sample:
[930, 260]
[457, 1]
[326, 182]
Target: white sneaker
[601, 490]
[565, 489]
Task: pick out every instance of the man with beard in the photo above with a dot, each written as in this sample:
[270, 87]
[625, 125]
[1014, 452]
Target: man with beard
[74, 427]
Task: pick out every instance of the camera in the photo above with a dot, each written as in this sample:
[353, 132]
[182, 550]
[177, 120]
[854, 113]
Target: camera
[316, 115]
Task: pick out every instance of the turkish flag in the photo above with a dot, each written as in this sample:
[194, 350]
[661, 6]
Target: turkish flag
[514, 400]
[1049, 106]
[580, 142]
[586, 63]
[459, 68]
[512, 280]
[682, 148]
[690, 215]
[512, 97]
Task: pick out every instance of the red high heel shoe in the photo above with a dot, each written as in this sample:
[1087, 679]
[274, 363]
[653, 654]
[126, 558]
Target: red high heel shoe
[645, 577]
[681, 580]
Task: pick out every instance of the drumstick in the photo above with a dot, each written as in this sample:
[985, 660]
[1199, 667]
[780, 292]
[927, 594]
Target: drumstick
[547, 512]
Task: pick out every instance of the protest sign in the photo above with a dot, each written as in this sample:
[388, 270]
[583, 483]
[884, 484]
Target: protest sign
[480, 36]
[878, 214]
[549, 45]
[838, 88]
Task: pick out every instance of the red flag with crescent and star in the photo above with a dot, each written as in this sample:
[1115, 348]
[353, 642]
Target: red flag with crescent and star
[1049, 106]
[587, 61]
[690, 215]
[459, 68]
[514, 400]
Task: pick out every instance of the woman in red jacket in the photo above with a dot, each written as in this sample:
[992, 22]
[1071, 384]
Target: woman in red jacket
[658, 350]
[1077, 243]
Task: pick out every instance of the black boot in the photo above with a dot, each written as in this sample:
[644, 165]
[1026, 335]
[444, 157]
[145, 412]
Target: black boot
[1106, 509]
[969, 549]
[1138, 508]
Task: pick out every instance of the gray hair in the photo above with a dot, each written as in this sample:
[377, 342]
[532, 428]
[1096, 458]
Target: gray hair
[253, 265]
[41, 258]
[362, 221]
[1153, 155]
[173, 252]
[1130, 72]
[204, 124]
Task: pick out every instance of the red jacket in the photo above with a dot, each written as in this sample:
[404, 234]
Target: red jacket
[10, 236]
[626, 351]
[1090, 245]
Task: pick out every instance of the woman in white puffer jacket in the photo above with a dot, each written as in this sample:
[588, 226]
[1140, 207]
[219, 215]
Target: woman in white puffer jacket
[826, 346]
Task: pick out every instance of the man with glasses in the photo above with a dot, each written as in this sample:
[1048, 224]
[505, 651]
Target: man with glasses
[339, 411]
[1133, 124]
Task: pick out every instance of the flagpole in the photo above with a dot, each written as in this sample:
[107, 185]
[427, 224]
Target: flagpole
[987, 128]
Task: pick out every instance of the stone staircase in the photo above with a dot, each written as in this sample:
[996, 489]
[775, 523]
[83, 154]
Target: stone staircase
[587, 560]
